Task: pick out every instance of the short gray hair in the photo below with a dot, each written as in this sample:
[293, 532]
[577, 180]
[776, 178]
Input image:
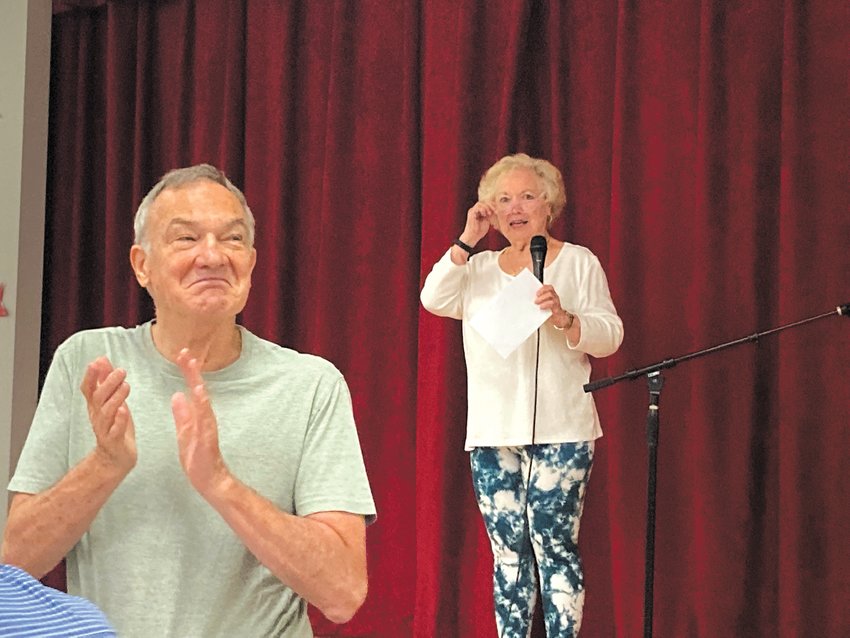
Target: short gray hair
[180, 177]
[553, 183]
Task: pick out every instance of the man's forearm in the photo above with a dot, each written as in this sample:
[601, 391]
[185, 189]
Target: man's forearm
[322, 558]
[43, 527]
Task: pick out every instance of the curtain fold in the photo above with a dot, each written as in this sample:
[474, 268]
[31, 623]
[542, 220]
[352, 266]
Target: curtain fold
[704, 151]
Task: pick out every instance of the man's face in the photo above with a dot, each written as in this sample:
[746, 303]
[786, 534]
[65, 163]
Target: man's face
[199, 262]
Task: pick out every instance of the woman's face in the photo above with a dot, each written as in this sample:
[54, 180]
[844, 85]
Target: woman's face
[521, 206]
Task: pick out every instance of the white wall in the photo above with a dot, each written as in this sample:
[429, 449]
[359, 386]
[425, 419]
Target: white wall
[24, 82]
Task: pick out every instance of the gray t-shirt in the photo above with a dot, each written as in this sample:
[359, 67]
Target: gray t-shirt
[159, 560]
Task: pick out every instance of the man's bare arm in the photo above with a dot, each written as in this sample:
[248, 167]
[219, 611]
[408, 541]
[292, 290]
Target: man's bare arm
[42, 527]
[322, 557]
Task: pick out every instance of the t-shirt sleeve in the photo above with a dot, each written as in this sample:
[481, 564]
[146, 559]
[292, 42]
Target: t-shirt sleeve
[45, 458]
[332, 475]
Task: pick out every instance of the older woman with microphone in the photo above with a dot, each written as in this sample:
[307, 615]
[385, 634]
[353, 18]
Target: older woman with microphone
[530, 426]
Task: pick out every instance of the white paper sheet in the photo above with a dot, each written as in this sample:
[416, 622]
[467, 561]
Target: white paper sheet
[511, 316]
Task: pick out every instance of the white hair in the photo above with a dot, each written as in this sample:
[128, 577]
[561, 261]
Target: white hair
[180, 177]
[553, 182]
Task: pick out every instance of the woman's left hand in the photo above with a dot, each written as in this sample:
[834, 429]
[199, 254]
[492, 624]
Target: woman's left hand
[548, 299]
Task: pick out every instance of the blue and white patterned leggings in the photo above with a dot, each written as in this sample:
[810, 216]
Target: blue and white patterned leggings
[553, 507]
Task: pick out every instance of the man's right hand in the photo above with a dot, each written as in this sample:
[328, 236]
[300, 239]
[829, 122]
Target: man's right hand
[106, 391]
[43, 527]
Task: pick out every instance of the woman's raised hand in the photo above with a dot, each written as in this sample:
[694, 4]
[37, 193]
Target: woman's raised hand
[479, 219]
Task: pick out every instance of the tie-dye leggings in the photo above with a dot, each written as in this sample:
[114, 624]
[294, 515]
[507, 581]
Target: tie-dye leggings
[553, 506]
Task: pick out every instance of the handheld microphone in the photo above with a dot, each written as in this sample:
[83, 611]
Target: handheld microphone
[538, 255]
[844, 309]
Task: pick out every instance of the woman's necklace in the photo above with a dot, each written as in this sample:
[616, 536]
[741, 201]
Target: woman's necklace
[514, 265]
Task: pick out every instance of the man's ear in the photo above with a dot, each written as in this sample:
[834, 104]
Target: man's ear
[139, 260]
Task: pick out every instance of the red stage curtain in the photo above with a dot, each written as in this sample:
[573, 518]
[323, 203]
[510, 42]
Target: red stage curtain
[704, 148]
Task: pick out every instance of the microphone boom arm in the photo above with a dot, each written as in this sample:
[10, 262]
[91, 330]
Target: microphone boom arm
[842, 310]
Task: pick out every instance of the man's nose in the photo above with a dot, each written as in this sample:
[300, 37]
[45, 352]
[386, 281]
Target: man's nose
[211, 253]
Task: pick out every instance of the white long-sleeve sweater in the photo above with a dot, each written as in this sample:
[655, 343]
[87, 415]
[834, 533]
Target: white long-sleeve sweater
[500, 392]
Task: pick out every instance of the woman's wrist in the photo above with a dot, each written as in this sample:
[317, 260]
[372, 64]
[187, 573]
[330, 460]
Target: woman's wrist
[567, 323]
[461, 251]
[468, 239]
[463, 246]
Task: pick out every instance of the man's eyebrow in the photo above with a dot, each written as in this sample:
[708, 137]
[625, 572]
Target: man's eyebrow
[182, 221]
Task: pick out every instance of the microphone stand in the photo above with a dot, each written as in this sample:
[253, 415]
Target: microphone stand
[655, 380]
